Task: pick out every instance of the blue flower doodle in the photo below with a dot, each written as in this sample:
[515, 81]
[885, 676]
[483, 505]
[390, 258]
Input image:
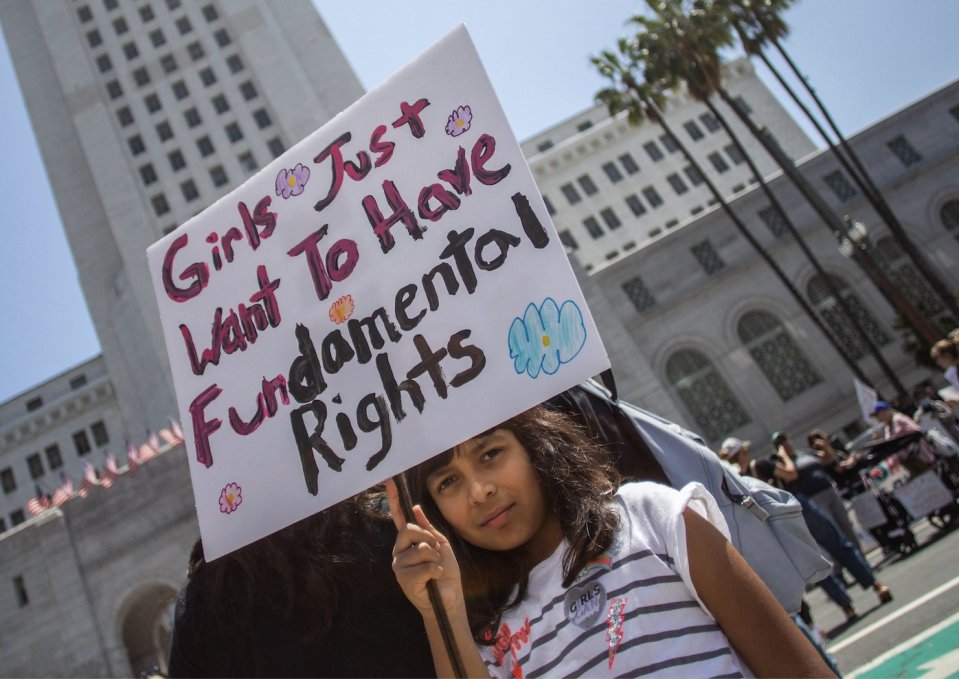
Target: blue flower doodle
[546, 337]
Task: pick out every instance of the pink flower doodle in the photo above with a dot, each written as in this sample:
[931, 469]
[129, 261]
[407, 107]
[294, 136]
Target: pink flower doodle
[292, 182]
[230, 498]
[459, 121]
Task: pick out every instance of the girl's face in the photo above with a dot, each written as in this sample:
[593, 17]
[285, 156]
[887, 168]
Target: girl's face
[490, 495]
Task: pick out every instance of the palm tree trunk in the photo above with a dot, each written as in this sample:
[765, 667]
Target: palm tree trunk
[655, 115]
[864, 181]
[833, 290]
[817, 202]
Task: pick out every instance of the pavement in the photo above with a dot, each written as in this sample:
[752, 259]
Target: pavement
[914, 635]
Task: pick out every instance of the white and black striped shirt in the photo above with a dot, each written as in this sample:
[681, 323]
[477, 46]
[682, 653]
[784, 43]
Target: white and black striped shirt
[632, 613]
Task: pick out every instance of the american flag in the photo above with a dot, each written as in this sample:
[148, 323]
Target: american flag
[39, 504]
[169, 437]
[177, 431]
[109, 470]
[89, 479]
[65, 491]
[153, 440]
[133, 458]
[151, 448]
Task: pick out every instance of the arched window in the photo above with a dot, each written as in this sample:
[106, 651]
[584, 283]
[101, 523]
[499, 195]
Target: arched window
[827, 305]
[949, 214]
[904, 275]
[705, 394]
[773, 349]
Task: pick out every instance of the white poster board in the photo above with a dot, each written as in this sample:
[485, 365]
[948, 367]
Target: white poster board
[386, 289]
[923, 495]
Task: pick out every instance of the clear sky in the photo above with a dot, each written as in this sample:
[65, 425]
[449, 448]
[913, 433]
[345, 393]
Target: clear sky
[866, 58]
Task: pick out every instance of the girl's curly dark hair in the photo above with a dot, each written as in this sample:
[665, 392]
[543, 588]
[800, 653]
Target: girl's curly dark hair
[578, 481]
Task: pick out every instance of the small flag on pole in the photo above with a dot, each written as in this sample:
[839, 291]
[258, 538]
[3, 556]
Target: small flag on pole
[109, 470]
[153, 440]
[133, 458]
[89, 479]
[64, 492]
[151, 448]
[177, 431]
[39, 504]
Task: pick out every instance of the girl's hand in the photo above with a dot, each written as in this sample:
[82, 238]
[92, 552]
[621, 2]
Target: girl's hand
[421, 554]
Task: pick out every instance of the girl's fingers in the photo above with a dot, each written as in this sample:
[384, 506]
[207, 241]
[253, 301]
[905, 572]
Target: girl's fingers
[420, 574]
[396, 511]
[422, 553]
[425, 524]
[411, 535]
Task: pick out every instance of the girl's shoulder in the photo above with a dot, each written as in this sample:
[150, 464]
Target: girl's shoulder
[656, 507]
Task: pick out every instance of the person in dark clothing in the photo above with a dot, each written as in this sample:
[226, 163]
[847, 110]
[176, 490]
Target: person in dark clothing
[315, 599]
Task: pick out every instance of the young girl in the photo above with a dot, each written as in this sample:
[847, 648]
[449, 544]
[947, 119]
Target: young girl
[546, 569]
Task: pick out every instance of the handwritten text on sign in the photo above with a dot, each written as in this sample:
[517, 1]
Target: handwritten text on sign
[384, 290]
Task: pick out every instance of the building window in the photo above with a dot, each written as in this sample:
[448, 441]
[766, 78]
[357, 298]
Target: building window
[276, 147]
[774, 219]
[586, 183]
[189, 190]
[949, 214]
[777, 355]
[146, 13]
[707, 257]
[571, 194]
[262, 118]
[136, 145]
[130, 51]
[840, 186]
[639, 294]
[179, 90]
[222, 38]
[891, 257]
[248, 90]
[904, 151]
[612, 221]
[744, 107]
[152, 102]
[3, 524]
[120, 26]
[183, 25]
[160, 206]
[679, 186]
[78, 382]
[630, 245]
[696, 210]
[205, 146]
[710, 121]
[549, 206]
[218, 175]
[103, 63]
[35, 465]
[612, 255]
[247, 162]
[669, 143]
[168, 63]
[209, 13]
[718, 162]
[220, 104]
[652, 197]
[705, 394]
[16, 518]
[196, 50]
[585, 125]
[235, 63]
[157, 38]
[18, 585]
[612, 172]
[629, 164]
[164, 131]
[176, 160]
[192, 117]
[735, 154]
[207, 76]
[172, 4]
[99, 431]
[822, 298]
[955, 112]
[124, 116]
[653, 151]
[545, 146]
[635, 204]
[54, 459]
[739, 187]
[141, 76]
[84, 15]
[671, 223]
[566, 238]
[93, 38]
[7, 481]
[595, 230]
[147, 174]
[694, 175]
[34, 404]
[693, 130]
[114, 89]
[110, 4]
[234, 132]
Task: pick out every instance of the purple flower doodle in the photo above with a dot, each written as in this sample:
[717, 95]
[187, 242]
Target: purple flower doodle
[230, 498]
[459, 121]
[292, 182]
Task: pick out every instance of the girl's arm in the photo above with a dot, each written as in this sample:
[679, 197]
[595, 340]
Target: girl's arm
[785, 468]
[750, 616]
[422, 554]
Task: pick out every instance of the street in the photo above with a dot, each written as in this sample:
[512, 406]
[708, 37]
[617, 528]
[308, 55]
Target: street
[917, 633]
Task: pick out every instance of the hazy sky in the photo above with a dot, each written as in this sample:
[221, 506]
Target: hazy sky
[866, 58]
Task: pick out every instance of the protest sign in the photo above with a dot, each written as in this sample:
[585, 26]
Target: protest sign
[387, 288]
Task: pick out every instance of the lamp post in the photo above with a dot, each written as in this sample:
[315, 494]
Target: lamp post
[854, 243]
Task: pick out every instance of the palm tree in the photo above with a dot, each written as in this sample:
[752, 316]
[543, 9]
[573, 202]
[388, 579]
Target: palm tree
[682, 48]
[760, 23]
[630, 92]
